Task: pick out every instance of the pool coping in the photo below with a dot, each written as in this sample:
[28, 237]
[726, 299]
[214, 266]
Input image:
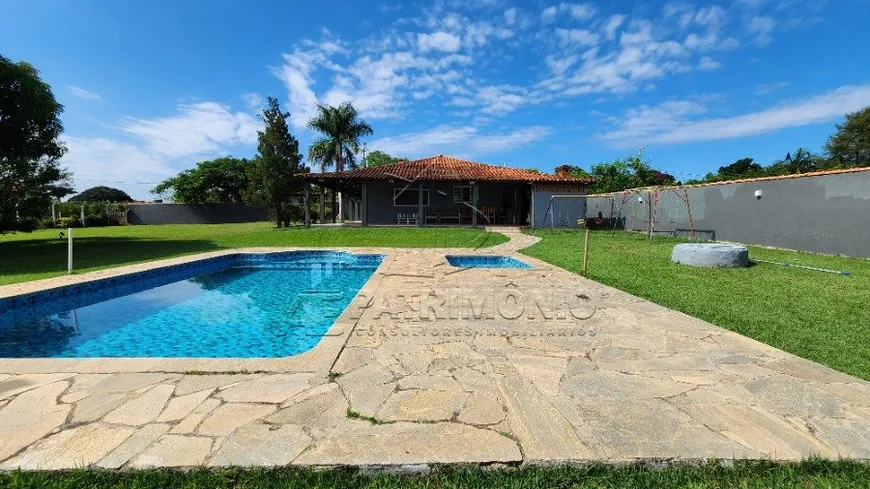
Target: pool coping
[320, 358]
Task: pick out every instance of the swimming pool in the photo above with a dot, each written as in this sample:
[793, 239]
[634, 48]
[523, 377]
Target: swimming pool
[485, 261]
[240, 305]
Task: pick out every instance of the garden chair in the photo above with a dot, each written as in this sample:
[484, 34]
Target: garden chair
[450, 215]
[431, 215]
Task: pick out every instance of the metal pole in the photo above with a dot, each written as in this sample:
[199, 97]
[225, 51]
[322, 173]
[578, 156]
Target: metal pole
[552, 214]
[69, 252]
[586, 253]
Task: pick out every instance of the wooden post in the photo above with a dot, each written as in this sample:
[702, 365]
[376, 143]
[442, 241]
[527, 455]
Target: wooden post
[364, 205]
[689, 210]
[474, 218]
[322, 210]
[586, 253]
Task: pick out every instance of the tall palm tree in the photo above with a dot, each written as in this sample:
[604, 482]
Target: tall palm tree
[342, 129]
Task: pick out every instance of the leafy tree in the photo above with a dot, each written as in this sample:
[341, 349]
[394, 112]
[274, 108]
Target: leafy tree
[850, 145]
[574, 171]
[273, 175]
[627, 173]
[219, 181]
[380, 158]
[30, 175]
[533, 170]
[742, 168]
[101, 194]
[342, 129]
[800, 161]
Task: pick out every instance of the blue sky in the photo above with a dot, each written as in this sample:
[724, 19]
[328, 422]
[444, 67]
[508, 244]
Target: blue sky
[152, 87]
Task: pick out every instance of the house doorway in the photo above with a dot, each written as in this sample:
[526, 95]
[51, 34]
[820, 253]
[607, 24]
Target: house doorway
[525, 199]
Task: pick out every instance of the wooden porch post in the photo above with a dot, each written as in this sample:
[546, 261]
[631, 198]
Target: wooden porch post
[307, 205]
[532, 205]
[474, 205]
[420, 220]
[364, 216]
[322, 209]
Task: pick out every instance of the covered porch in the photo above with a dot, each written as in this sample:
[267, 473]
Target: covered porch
[430, 203]
[438, 191]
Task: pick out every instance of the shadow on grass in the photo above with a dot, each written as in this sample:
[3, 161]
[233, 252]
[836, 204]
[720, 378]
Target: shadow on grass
[41, 256]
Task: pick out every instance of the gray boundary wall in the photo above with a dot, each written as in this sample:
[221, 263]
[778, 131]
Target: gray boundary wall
[195, 213]
[566, 212]
[826, 213]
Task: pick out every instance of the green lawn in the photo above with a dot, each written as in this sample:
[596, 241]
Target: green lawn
[820, 316]
[41, 254]
[813, 473]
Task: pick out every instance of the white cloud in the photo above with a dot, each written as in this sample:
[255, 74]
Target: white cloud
[378, 86]
[254, 101]
[579, 11]
[711, 17]
[766, 88]
[447, 55]
[576, 11]
[707, 63]
[638, 58]
[548, 14]
[197, 129]
[381, 80]
[673, 122]
[296, 76]
[463, 141]
[104, 161]
[559, 65]
[158, 148]
[438, 41]
[510, 16]
[613, 23]
[580, 37]
[85, 94]
[501, 99]
[760, 27]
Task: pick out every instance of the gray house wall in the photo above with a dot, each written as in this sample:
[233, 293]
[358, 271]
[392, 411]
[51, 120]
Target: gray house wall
[380, 208]
[566, 211]
[194, 213]
[824, 213]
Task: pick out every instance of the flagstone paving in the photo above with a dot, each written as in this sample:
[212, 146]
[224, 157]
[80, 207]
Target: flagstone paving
[446, 365]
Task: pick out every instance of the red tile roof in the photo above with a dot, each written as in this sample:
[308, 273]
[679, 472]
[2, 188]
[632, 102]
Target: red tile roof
[443, 168]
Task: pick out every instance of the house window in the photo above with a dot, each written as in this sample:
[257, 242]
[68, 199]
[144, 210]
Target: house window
[408, 197]
[461, 194]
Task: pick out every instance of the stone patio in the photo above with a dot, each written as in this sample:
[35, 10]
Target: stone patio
[437, 364]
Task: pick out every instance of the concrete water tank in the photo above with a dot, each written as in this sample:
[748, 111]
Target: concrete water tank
[711, 255]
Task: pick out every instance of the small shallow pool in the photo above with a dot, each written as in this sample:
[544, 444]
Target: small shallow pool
[241, 305]
[485, 261]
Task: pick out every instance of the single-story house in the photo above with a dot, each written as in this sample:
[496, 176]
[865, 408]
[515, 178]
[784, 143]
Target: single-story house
[443, 190]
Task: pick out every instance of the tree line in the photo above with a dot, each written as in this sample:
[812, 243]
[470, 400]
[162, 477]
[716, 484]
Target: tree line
[847, 147]
[31, 177]
[270, 177]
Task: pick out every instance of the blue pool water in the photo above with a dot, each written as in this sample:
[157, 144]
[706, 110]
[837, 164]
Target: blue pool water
[485, 261]
[246, 305]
